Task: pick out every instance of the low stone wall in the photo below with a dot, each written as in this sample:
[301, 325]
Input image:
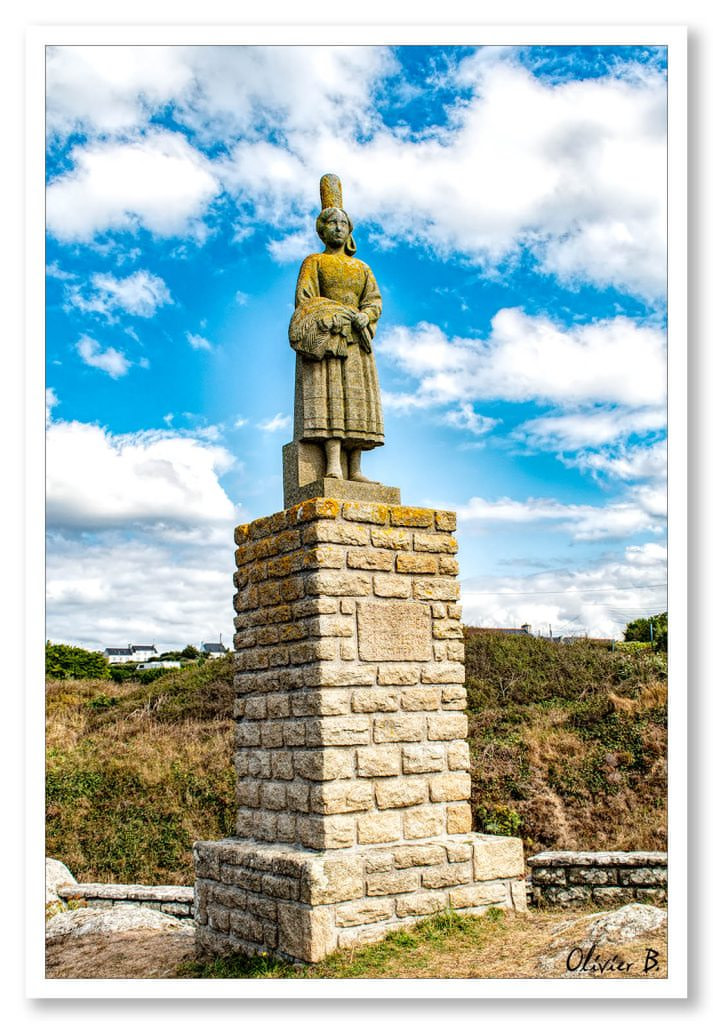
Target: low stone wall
[563, 877]
[176, 900]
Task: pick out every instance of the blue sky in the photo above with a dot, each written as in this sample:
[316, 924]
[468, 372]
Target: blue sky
[512, 205]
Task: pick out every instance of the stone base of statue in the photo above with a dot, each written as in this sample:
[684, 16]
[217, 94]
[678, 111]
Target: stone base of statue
[351, 752]
[303, 466]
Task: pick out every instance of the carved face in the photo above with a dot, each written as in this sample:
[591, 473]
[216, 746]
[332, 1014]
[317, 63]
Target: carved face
[335, 229]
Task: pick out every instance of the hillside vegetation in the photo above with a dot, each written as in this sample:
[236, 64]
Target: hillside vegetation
[568, 745]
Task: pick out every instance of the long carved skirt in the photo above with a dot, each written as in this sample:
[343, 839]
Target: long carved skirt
[339, 398]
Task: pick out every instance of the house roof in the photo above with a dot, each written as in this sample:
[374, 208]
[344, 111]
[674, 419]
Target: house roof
[118, 650]
[212, 648]
[142, 647]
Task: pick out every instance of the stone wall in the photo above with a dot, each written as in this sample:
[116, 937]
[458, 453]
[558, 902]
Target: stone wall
[562, 877]
[176, 900]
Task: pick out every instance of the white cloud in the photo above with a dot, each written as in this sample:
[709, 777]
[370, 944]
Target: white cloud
[573, 173]
[241, 298]
[139, 294]
[198, 342]
[106, 89]
[97, 480]
[170, 587]
[278, 422]
[51, 401]
[643, 510]
[590, 427]
[635, 462]
[158, 182]
[110, 360]
[466, 418]
[530, 358]
[596, 600]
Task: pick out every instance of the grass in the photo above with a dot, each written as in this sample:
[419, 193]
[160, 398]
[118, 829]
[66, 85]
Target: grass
[491, 945]
[568, 749]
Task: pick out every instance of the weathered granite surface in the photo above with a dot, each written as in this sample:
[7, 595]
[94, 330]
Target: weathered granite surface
[303, 469]
[176, 900]
[351, 738]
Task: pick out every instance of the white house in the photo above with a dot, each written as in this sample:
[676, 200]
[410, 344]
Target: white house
[133, 652]
[214, 650]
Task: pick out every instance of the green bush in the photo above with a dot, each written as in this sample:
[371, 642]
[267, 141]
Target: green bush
[63, 661]
[498, 820]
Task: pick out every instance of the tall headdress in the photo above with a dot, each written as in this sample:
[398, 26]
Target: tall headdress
[330, 194]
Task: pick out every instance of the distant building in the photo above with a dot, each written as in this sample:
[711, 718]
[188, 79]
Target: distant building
[134, 652]
[145, 665]
[523, 630]
[214, 650]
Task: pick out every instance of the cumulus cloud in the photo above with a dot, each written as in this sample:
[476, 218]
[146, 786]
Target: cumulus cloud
[139, 294]
[573, 173]
[109, 360]
[643, 510]
[197, 341]
[590, 427]
[97, 480]
[531, 358]
[466, 418]
[596, 600]
[168, 586]
[278, 422]
[158, 181]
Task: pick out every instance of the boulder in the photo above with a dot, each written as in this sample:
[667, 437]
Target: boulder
[92, 921]
[56, 873]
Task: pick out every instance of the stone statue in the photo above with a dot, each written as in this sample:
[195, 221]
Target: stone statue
[337, 306]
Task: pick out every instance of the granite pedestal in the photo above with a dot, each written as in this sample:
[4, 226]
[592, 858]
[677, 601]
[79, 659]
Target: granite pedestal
[351, 751]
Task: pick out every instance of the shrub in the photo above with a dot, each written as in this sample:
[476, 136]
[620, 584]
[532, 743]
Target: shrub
[63, 661]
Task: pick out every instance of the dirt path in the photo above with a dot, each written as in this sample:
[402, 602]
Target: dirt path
[135, 954]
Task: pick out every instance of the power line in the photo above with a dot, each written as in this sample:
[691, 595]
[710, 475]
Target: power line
[537, 593]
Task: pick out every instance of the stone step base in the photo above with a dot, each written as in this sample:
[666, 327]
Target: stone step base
[254, 897]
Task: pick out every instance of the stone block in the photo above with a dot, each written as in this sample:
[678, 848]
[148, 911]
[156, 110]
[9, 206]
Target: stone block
[449, 725]
[338, 584]
[423, 758]
[361, 512]
[404, 515]
[306, 933]
[399, 728]
[478, 895]
[450, 786]
[379, 827]
[420, 822]
[322, 765]
[341, 730]
[331, 881]
[589, 876]
[436, 543]
[459, 819]
[386, 883]
[335, 533]
[393, 631]
[320, 702]
[399, 675]
[643, 876]
[416, 563]
[382, 761]
[374, 700]
[458, 755]
[437, 589]
[421, 903]
[443, 674]
[364, 912]
[447, 629]
[394, 540]
[340, 797]
[418, 856]
[422, 698]
[445, 521]
[392, 586]
[370, 558]
[400, 792]
[454, 698]
[499, 857]
[442, 875]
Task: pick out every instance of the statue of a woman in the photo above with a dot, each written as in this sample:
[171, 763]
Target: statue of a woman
[337, 305]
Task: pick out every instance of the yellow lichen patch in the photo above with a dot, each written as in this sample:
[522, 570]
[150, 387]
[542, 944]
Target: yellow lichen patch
[403, 515]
